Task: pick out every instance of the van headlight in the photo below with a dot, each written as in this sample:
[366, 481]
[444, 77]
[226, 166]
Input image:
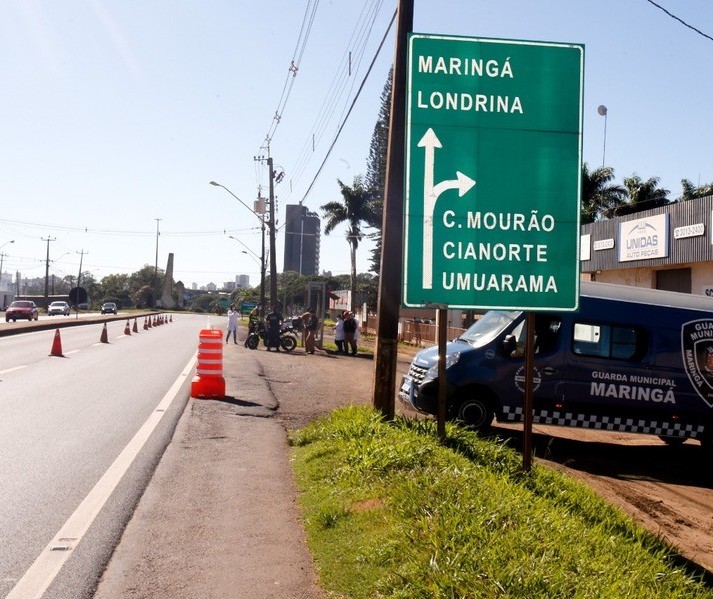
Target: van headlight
[451, 359]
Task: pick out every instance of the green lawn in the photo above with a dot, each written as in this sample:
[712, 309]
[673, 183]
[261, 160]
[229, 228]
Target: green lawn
[390, 512]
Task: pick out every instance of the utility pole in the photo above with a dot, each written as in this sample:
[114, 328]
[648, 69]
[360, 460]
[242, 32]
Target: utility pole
[273, 259]
[272, 253]
[392, 228]
[81, 257]
[155, 270]
[2, 255]
[263, 267]
[47, 267]
[79, 281]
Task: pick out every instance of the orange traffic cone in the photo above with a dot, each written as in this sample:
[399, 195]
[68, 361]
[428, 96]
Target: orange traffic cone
[146, 326]
[57, 346]
[127, 328]
[104, 337]
[170, 318]
[154, 321]
[136, 327]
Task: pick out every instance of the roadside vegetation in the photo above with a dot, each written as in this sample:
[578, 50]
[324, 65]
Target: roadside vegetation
[391, 512]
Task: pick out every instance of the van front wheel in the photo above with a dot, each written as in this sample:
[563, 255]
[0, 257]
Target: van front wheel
[475, 413]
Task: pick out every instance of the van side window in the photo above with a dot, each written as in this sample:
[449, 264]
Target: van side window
[605, 341]
[547, 328]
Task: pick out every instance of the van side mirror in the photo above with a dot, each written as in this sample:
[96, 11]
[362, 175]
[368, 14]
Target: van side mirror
[509, 345]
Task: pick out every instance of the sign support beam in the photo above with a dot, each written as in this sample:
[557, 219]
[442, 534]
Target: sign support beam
[384, 396]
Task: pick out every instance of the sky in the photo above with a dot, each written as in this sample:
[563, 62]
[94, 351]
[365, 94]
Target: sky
[115, 116]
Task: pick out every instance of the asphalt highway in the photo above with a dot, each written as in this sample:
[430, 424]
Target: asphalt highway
[64, 423]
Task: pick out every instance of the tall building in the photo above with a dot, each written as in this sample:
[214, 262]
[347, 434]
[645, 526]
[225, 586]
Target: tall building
[242, 281]
[302, 235]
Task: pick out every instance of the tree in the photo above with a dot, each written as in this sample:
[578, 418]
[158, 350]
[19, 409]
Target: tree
[355, 210]
[115, 288]
[376, 169]
[146, 277]
[691, 192]
[600, 198]
[204, 302]
[643, 195]
[143, 297]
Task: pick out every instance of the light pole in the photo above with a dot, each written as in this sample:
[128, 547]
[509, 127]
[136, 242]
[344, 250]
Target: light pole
[261, 218]
[602, 110]
[1, 258]
[260, 261]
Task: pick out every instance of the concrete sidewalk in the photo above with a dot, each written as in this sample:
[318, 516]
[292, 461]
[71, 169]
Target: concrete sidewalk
[219, 517]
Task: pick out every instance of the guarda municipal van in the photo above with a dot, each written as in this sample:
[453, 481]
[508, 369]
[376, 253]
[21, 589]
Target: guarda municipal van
[630, 359]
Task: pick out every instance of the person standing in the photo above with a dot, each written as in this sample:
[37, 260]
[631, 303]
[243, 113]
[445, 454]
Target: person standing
[311, 322]
[350, 331]
[233, 315]
[273, 322]
[339, 333]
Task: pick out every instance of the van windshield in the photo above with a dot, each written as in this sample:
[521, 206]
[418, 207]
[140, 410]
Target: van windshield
[488, 327]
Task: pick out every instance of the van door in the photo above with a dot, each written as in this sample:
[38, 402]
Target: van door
[549, 367]
[610, 370]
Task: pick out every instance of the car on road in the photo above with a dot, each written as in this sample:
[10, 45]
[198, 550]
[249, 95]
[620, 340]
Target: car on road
[22, 309]
[109, 308]
[58, 308]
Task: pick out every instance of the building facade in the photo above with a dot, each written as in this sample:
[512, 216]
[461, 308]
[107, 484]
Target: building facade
[302, 240]
[664, 248]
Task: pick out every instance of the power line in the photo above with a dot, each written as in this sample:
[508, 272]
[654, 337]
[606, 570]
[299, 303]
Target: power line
[294, 67]
[127, 233]
[334, 141]
[344, 122]
[339, 87]
[698, 31]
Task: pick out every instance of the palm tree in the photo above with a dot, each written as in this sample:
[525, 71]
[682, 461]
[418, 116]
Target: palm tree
[600, 198]
[691, 192]
[354, 210]
[643, 195]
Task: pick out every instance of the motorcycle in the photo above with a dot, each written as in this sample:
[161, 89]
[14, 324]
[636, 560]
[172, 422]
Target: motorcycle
[288, 339]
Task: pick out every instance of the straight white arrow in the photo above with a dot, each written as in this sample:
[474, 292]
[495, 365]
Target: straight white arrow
[462, 183]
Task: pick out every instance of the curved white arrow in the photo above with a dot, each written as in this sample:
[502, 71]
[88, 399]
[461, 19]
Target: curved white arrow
[462, 183]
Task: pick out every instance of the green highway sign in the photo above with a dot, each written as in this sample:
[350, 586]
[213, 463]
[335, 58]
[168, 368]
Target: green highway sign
[493, 161]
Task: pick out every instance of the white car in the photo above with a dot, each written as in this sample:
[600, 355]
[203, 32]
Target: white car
[58, 308]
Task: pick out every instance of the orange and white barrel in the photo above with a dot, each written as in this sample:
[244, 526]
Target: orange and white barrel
[209, 381]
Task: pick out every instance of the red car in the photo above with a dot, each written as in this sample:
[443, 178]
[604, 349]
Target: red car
[21, 309]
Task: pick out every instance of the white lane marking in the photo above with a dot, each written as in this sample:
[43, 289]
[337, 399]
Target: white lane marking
[74, 351]
[45, 568]
[13, 369]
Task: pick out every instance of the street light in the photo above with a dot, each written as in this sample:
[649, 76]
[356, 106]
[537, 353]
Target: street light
[602, 110]
[253, 257]
[246, 248]
[262, 261]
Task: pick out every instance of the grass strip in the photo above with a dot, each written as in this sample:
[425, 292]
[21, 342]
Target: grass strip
[389, 512]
